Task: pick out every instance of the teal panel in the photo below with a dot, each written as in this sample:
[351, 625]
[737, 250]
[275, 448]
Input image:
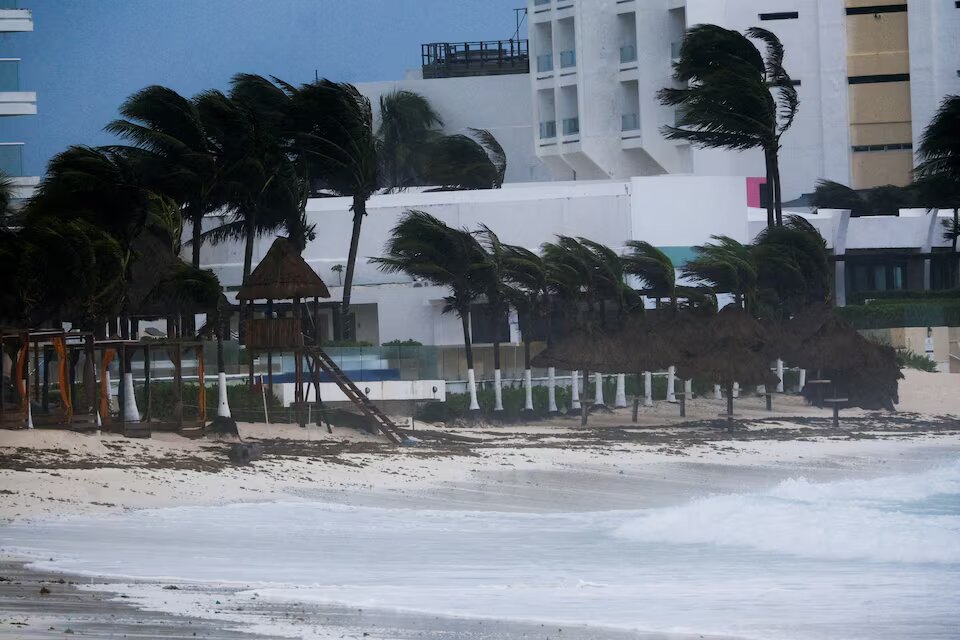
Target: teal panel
[679, 255]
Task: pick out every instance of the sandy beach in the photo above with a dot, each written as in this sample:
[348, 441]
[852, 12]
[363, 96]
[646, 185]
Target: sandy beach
[549, 467]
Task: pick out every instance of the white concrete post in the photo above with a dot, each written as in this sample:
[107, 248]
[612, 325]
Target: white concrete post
[717, 395]
[106, 383]
[575, 390]
[29, 412]
[551, 389]
[598, 389]
[223, 403]
[130, 411]
[472, 389]
[671, 380]
[497, 391]
[688, 389]
[780, 375]
[621, 399]
[528, 390]
[803, 378]
[647, 389]
[736, 389]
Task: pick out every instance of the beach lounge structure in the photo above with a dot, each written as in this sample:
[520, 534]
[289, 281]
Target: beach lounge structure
[286, 283]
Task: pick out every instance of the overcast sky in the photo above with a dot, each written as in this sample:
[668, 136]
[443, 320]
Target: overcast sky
[85, 56]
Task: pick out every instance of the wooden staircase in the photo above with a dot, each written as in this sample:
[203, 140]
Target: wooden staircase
[357, 397]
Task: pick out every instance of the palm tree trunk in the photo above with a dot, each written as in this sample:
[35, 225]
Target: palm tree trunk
[359, 211]
[223, 403]
[777, 195]
[468, 348]
[497, 388]
[527, 377]
[771, 220]
[584, 405]
[197, 228]
[956, 228]
[246, 310]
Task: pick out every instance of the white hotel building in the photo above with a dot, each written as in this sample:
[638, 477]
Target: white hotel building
[575, 110]
[14, 101]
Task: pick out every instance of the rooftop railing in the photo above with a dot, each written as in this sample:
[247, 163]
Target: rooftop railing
[483, 58]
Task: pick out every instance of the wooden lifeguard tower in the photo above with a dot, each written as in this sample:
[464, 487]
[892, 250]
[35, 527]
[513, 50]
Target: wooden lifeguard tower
[283, 275]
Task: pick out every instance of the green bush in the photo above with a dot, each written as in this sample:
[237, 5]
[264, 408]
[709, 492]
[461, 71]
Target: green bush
[943, 295]
[912, 360]
[409, 342]
[892, 314]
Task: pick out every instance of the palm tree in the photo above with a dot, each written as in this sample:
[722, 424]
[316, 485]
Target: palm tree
[726, 267]
[793, 269]
[734, 97]
[458, 162]
[423, 247]
[407, 125]
[939, 153]
[497, 292]
[876, 201]
[169, 129]
[654, 269]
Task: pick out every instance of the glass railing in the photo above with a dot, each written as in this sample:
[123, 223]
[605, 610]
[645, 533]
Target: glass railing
[675, 49]
[545, 62]
[8, 4]
[568, 59]
[571, 126]
[9, 75]
[11, 159]
[628, 53]
[548, 129]
[629, 121]
[540, 2]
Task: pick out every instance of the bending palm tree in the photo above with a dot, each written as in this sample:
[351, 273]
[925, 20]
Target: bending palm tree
[424, 247]
[497, 293]
[654, 269]
[728, 99]
[939, 153]
[726, 267]
[407, 125]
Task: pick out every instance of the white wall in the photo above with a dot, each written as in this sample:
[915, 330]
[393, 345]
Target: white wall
[934, 59]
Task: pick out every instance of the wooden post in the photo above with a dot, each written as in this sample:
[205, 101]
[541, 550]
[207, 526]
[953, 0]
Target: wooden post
[25, 339]
[316, 321]
[636, 408]
[201, 375]
[45, 386]
[270, 353]
[146, 383]
[583, 403]
[74, 357]
[178, 376]
[36, 367]
[769, 397]
[90, 375]
[3, 393]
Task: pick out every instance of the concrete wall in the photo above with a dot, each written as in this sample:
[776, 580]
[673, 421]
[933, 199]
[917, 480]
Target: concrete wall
[375, 391]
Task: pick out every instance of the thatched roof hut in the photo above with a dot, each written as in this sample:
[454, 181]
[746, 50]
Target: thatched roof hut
[585, 348]
[727, 347]
[283, 274]
[161, 284]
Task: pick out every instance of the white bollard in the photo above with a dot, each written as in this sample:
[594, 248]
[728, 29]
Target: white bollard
[736, 389]
[647, 389]
[803, 379]
[528, 390]
[598, 390]
[717, 395]
[223, 403]
[472, 389]
[29, 413]
[497, 391]
[130, 411]
[575, 390]
[671, 381]
[780, 375]
[688, 389]
[621, 398]
[551, 390]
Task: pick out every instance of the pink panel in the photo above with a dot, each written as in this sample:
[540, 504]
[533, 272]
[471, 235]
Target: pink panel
[753, 191]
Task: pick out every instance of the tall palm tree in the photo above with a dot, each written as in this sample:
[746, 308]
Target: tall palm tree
[529, 291]
[182, 162]
[726, 266]
[939, 168]
[654, 269]
[793, 269]
[734, 97]
[497, 293]
[408, 123]
[424, 247]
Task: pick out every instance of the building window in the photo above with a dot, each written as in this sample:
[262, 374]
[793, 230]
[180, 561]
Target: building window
[782, 15]
[876, 9]
[867, 148]
[548, 129]
[888, 77]
[890, 275]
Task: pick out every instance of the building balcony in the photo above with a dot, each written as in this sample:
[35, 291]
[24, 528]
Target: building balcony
[486, 58]
[13, 18]
[548, 129]
[571, 126]
[13, 101]
[628, 53]
[568, 59]
[629, 122]
[538, 3]
[545, 63]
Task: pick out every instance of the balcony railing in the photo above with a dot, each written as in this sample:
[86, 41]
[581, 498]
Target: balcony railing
[571, 126]
[9, 74]
[628, 53]
[8, 4]
[11, 159]
[545, 62]
[568, 59]
[540, 2]
[548, 129]
[488, 58]
[629, 121]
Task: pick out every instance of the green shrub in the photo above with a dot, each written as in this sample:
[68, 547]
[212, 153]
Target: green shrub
[409, 342]
[943, 295]
[892, 314]
[912, 360]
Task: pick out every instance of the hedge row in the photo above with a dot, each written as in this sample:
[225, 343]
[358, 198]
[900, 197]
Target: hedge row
[894, 314]
[942, 295]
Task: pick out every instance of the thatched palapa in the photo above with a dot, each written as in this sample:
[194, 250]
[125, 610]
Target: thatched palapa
[283, 274]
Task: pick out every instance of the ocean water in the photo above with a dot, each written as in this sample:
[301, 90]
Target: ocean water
[857, 559]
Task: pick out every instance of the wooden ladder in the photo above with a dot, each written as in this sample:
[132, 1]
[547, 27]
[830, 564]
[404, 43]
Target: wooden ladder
[357, 397]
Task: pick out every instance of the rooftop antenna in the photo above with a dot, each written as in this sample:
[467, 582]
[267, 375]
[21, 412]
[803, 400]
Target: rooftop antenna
[519, 15]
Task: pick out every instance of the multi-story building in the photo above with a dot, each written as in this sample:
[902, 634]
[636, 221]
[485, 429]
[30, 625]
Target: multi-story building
[870, 74]
[14, 101]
